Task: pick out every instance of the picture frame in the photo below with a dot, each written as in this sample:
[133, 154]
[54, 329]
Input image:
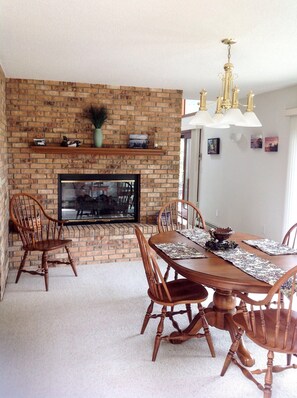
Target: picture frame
[256, 142]
[39, 141]
[213, 146]
[271, 144]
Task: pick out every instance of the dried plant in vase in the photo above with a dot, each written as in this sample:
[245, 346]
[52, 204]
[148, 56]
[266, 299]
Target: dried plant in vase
[97, 115]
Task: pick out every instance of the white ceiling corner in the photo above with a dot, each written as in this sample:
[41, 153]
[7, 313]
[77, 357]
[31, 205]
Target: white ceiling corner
[157, 43]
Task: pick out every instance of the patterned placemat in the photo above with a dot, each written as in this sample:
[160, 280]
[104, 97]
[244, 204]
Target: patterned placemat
[251, 264]
[271, 247]
[179, 251]
[196, 235]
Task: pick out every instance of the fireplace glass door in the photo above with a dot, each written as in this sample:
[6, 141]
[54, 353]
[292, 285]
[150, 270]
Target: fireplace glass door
[99, 198]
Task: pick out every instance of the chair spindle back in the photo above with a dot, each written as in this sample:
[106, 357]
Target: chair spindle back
[31, 221]
[275, 328]
[156, 282]
[179, 214]
[290, 238]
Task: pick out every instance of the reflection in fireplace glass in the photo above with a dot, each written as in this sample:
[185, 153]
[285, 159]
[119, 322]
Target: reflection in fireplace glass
[98, 198]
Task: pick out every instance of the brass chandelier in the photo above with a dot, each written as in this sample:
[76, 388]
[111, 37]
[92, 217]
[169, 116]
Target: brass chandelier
[227, 110]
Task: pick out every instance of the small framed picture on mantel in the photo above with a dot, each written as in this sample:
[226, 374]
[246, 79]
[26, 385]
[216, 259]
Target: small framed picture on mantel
[213, 146]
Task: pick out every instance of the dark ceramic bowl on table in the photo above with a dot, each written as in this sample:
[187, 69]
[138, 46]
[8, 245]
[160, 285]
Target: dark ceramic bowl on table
[221, 234]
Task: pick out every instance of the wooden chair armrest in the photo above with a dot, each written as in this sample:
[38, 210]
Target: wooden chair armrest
[60, 222]
[244, 297]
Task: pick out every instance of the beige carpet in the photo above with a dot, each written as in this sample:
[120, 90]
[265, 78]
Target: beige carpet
[81, 339]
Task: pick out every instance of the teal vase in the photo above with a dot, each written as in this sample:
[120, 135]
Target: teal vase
[98, 138]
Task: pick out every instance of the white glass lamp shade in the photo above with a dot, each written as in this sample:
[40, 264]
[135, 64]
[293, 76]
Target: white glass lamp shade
[217, 122]
[251, 120]
[233, 116]
[202, 118]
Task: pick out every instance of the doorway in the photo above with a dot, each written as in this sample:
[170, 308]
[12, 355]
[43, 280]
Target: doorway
[190, 158]
[184, 171]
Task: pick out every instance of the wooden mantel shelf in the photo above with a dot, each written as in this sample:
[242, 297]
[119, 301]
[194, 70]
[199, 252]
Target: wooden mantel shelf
[85, 150]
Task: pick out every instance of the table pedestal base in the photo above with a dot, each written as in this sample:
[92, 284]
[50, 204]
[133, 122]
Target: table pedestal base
[219, 314]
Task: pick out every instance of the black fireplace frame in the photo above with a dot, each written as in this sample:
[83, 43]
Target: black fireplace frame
[103, 177]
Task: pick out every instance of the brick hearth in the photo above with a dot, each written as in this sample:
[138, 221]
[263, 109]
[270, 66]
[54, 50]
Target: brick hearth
[91, 244]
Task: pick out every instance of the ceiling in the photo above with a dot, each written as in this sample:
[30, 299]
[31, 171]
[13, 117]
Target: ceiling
[153, 43]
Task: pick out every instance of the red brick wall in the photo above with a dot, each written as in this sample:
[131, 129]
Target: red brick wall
[3, 189]
[53, 109]
[50, 110]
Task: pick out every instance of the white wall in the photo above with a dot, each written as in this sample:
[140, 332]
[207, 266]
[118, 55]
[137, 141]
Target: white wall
[242, 187]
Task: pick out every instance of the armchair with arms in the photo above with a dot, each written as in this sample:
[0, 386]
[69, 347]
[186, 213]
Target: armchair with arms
[39, 233]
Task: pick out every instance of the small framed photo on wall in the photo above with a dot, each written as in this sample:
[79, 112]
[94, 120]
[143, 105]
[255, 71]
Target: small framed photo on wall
[256, 142]
[213, 146]
[271, 144]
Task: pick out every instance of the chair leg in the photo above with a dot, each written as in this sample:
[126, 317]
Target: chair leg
[166, 273]
[289, 358]
[72, 263]
[206, 330]
[21, 266]
[45, 269]
[232, 351]
[268, 375]
[189, 312]
[173, 321]
[159, 333]
[147, 316]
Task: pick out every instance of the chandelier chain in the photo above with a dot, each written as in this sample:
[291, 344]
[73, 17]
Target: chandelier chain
[229, 53]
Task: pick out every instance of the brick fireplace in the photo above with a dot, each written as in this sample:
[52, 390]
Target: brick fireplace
[51, 110]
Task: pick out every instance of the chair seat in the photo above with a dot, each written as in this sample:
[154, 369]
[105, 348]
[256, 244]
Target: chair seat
[182, 291]
[270, 321]
[48, 245]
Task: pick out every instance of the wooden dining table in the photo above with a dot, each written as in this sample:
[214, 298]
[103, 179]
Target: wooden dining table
[224, 278]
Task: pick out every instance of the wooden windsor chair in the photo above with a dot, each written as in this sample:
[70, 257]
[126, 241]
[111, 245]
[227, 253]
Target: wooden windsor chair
[179, 214]
[170, 294]
[274, 329]
[176, 215]
[290, 239]
[39, 233]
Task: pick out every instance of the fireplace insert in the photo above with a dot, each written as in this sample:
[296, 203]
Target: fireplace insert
[98, 198]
